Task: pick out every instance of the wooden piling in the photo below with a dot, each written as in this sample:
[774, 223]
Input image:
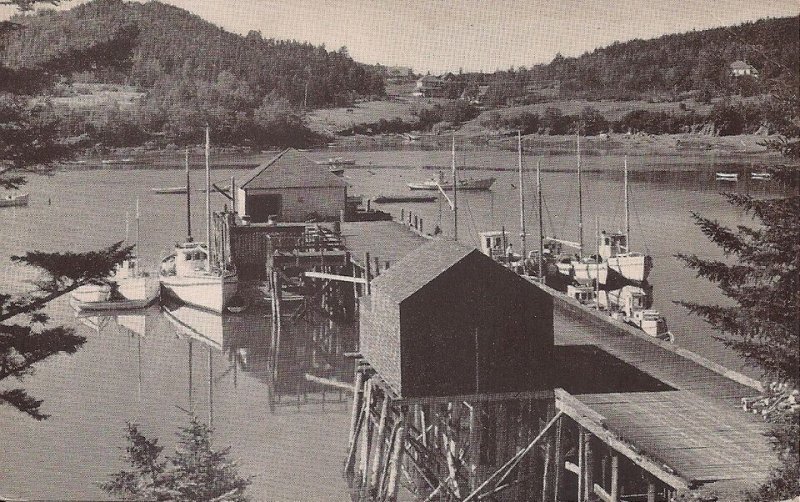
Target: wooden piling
[546, 476]
[366, 437]
[651, 490]
[614, 477]
[356, 410]
[589, 465]
[380, 443]
[558, 467]
[581, 464]
[367, 272]
[393, 486]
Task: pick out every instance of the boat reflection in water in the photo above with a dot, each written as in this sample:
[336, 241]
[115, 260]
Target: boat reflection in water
[302, 364]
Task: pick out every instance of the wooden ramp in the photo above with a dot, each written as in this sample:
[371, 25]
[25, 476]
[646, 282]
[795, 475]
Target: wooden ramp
[702, 440]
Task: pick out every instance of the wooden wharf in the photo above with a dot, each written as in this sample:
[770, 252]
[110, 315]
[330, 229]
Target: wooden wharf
[687, 435]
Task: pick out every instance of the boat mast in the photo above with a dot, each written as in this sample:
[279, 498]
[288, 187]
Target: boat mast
[521, 196]
[137, 238]
[188, 201]
[541, 225]
[580, 196]
[455, 192]
[627, 216]
[597, 263]
[208, 201]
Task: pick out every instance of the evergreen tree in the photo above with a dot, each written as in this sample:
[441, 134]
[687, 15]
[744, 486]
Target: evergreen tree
[196, 472]
[28, 144]
[763, 325]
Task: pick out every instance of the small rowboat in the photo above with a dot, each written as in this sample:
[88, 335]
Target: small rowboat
[762, 176]
[169, 190]
[727, 176]
[135, 293]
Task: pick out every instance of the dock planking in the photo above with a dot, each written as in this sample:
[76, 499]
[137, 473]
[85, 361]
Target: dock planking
[387, 240]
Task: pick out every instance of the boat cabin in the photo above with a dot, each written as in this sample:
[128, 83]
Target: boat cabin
[583, 293]
[612, 244]
[189, 258]
[493, 243]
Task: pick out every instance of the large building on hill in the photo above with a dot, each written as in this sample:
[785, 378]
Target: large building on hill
[292, 188]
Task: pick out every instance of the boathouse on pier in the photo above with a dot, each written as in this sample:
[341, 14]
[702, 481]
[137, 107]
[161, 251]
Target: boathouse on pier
[447, 320]
[454, 387]
[291, 188]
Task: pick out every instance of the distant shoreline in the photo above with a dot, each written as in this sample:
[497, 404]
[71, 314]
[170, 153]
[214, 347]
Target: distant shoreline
[683, 152]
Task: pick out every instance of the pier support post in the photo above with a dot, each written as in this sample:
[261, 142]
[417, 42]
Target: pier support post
[380, 442]
[354, 416]
[581, 464]
[614, 477]
[558, 484]
[546, 474]
[366, 435]
[367, 272]
[651, 490]
[588, 469]
[397, 458]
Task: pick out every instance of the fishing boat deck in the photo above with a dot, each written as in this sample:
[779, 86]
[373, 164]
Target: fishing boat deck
[695, 430]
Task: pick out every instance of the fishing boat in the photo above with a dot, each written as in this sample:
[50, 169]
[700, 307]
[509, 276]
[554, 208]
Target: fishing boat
[632, 305]
[721, 176]
[130, 293]
[14, 200]
[190, 274]
[126, 289]
[614, 249]
[388, 199]
[169, 190]
[761, 176]
[463, 184]
[336, 161]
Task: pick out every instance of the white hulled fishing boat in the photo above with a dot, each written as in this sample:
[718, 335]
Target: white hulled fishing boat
[188, 274]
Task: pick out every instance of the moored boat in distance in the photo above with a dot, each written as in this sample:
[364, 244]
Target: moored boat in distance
[722, 176]
[15, 200]
[388, 199]
[336, 161]
[761, 176]
[337, 170]
[169, 190]
[463, 184]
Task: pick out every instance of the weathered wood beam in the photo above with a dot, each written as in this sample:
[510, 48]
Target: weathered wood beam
[501, 396]
[335, 277]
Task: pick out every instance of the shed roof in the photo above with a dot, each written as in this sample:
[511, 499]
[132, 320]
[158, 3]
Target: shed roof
[291, 169]
[422, 266]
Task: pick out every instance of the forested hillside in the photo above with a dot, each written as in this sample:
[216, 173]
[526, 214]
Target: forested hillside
[251, 90]
[176, 43]
[664, 67]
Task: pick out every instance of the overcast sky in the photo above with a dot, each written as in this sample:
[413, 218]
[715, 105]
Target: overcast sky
[439, 35]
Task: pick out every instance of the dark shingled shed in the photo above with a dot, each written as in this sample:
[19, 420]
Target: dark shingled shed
[447, 320]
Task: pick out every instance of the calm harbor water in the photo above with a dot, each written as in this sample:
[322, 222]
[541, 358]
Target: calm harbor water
[154, 368]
